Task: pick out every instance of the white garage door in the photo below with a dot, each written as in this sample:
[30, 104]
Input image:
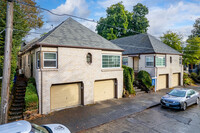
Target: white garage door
[162, 82]
[66, 95]
[104, 90]
[176, 79]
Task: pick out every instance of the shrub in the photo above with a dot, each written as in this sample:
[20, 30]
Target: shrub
[187, 80]
[31, 97]
[194, 76]
[128, 76]
[145, 80]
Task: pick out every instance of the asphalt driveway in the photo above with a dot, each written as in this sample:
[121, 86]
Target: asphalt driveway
[85, 117]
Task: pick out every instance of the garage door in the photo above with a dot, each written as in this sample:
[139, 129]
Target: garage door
[176, 79]
[66, 95]
[162, 82]
[104, 90]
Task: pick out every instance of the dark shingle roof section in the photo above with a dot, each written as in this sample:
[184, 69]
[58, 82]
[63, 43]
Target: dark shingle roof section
[71, 33]
[143, 43]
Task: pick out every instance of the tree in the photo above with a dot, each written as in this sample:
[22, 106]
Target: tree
[192, 51]
[139, 22]
[196, 30]
[173, 40]
[116, 17]
[119, 22]
[25, 18]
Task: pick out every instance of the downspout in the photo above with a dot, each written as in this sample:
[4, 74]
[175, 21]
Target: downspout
[41, 79]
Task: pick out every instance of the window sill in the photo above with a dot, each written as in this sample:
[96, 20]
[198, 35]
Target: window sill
[112, 69]
[49, 69]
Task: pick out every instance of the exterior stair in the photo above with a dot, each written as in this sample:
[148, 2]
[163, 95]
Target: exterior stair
[139, 91]
[18, 102]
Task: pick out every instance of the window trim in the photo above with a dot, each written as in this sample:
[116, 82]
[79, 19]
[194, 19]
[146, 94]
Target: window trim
[50, 60]
[160, 57]
[127, 60]
[153, 62]
[90, 62]
[37, 67]
[120, 63]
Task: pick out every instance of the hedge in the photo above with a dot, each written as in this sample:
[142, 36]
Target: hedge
[128, 77]
[145, 80]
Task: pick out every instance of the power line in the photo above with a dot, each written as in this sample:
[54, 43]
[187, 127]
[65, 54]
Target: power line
[69, 15]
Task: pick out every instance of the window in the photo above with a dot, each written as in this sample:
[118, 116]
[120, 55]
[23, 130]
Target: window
[150, 61]
[125, 61]
[170, 59]
[89, 58]
[38, 60]
[29, 60]
[160, 61]
[180, 60]
[110, 61]
[50, 60]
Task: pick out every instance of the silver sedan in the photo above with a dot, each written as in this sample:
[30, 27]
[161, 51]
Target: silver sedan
[180, 98]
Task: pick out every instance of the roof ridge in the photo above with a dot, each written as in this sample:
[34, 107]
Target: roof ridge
[151, 42]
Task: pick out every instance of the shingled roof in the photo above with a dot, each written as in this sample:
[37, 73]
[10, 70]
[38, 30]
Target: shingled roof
[143, 44]
[73, 34]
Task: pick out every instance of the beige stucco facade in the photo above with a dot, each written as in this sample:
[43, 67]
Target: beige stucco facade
[169, 69]
[72, 68]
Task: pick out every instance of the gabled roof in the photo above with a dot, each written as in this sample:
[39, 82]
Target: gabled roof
[73, 34]
[143, 44]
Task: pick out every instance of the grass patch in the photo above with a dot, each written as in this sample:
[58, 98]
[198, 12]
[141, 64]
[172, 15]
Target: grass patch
[31, 97]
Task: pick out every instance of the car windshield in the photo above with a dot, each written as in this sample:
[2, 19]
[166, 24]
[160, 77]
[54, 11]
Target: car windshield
[38, 129]
[177, 93]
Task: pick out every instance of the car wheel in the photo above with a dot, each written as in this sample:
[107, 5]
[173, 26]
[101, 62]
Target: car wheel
[184, 106]
[197, 102]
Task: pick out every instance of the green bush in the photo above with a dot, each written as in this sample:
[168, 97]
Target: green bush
[187, 80]
[31, 97]
[128, 76]
[144, 78]
[194, 76]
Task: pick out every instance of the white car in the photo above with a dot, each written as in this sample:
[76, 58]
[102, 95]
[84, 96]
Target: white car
[27, 127]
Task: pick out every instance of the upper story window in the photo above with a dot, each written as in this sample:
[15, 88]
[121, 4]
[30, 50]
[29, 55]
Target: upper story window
[160, 61]
[180, 60]
[149, 61]
[37, 60]
[170, 59]
[89, 58]
[125, 61]
[111, 61]
[50, 60]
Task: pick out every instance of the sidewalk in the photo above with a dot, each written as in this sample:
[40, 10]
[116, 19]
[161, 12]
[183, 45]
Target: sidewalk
[84, 117]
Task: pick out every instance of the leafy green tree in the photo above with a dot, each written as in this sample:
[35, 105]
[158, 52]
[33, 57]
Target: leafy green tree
[139, 22]
[24, 19]
[173, 40]
[196, 30]
[116, 17]
[191, 53]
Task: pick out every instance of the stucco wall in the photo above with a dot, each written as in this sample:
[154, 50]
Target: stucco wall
[170, 68]
[72, 67]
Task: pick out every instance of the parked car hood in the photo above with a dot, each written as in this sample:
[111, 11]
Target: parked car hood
[173, 98]
[58, 128]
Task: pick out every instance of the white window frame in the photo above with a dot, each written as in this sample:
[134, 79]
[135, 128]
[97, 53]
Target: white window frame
[156, 61]
[146, 61]
[180, 60]
[111, 67]
[127, 60]
[50, 60]
[36, 63]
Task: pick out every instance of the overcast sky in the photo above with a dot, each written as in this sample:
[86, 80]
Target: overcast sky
[175, 15]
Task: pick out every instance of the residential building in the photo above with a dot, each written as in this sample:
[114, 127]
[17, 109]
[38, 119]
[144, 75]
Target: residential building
[73, 66]
[145, 52]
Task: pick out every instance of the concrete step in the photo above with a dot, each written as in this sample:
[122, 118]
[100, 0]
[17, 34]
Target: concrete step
[16, 109]
[13, 118]
[20, 94]
[19, 100]
[21, 91]
[140, 92]
[18, 104]
[15, 113]
[19, 97]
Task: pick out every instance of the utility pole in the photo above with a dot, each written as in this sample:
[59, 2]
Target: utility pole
[5, 90]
